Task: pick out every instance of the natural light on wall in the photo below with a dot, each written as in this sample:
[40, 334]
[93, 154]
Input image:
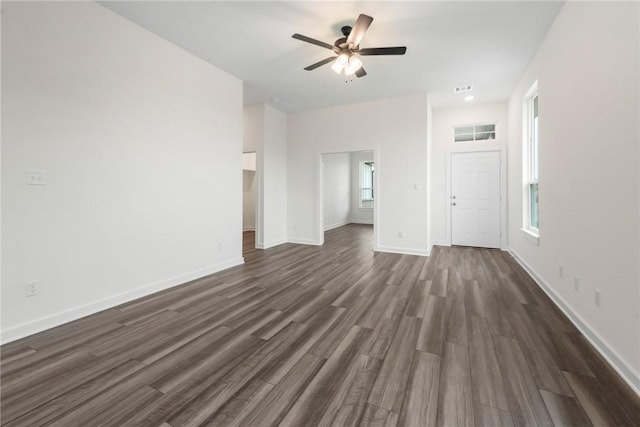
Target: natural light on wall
[367, 171]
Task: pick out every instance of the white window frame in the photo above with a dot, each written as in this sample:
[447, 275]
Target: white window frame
[360, 186]
[530, 160]
[475, 133]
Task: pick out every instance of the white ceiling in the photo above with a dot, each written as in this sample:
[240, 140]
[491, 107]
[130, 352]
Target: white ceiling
[449, 43]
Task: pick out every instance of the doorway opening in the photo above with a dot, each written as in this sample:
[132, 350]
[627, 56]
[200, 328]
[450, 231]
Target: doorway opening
[348, 193]
[249, 198]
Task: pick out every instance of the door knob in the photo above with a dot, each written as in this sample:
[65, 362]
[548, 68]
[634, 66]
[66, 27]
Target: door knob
[454, 203]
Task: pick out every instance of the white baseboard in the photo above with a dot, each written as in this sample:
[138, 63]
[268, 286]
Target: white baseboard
[403, 251]
[271, 244]
[440, 243]
[304, 242]
[331, 227]
[359, 221]
[51, 321]
[626, 372]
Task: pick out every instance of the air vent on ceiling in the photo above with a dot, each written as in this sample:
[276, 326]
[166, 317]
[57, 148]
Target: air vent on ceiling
[463, 88]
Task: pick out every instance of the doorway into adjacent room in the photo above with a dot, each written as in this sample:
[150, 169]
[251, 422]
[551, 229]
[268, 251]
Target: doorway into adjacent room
[249, 197]
[348, 191]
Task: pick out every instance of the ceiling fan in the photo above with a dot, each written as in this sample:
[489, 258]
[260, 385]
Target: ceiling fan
[347, 49]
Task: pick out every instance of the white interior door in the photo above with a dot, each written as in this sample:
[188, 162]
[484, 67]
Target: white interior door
[475, 199]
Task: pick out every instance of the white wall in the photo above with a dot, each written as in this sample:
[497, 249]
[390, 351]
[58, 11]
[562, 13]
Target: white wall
[442, 144]
[396, 129]
[141, 144]
[274, 184]
[265, 132]
[587, 71]
[253, 130]
[359, 215]
[336, 192]
[429, 173]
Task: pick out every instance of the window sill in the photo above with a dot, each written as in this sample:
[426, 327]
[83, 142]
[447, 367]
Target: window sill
[531, 236]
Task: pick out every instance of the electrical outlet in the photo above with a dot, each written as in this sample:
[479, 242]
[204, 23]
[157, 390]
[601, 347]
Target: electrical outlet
[576, 283]
[32, 288]
[596, 296]
[401, 234]
[561, 271]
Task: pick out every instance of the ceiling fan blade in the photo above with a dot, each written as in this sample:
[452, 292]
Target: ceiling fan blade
[312, 41]
[361, 72]
[319, 64]
[398, 50]
[358, 30]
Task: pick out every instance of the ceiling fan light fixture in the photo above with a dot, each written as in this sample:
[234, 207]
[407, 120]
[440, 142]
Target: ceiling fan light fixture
[343, 59]
[355, 62]
[350, 70]
[354, 65]
[337, 67]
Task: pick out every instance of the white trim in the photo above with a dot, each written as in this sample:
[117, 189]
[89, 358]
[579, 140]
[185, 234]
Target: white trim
[248, 229]
[331, 227]
[359, 221]
[495, 132]
[527, 125]
[531, 236]
[259, 201]
[429, 248]
[376, 199]
[503, 188]
[627, 373]
[272, 244]
[320, 197]
[51, 321]
[403, 251]
[304, 242]
[440, 243]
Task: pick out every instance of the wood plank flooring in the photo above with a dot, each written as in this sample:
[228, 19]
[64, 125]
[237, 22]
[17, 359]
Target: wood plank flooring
[331, 335]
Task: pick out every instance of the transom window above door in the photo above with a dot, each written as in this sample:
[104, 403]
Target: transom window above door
[476, 132]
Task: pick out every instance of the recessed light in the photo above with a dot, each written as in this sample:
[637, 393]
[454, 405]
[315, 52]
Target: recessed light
[468, 98]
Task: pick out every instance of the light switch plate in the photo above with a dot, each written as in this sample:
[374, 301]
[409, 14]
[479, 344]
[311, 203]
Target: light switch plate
[33, 177]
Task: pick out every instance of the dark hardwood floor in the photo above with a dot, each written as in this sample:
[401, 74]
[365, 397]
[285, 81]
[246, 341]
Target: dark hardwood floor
[331, 335]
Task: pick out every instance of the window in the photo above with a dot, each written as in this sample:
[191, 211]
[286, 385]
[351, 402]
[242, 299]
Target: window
[367, 171]
[468, 133]
[530, 162]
